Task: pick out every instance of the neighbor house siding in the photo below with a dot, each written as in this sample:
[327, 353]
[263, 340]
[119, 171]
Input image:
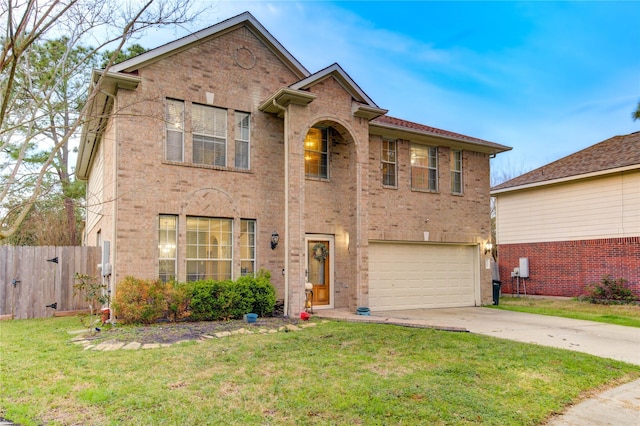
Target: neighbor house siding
[564, 268]
[604, 207]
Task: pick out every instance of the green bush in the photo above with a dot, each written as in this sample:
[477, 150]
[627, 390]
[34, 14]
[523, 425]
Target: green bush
[609, 291]
[140, 301]
[264, 294]
[223, 300]
[146, 301]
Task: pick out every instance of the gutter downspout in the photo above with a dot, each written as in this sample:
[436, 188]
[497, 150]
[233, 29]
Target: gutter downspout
[286, 205]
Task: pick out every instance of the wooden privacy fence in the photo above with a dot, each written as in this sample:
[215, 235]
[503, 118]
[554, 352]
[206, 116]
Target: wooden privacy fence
[30, 279]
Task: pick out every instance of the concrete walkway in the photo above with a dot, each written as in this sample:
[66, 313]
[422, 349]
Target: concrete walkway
[618, 406]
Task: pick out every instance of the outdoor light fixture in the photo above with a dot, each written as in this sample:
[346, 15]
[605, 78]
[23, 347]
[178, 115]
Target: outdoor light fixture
[274, 240]
[487, 247]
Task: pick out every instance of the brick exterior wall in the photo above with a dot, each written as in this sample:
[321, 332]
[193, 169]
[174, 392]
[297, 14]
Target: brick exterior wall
[351, 206]
[564, 268]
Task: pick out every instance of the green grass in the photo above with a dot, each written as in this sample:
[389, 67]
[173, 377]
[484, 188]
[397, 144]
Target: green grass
[628, 315]
[335, 373]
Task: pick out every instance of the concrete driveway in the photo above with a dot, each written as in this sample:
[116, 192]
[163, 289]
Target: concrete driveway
[603, 340]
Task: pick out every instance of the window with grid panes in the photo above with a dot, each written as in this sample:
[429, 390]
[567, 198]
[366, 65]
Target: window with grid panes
[424, 168]
[174, 122]
[167, 243]
[242, 140]
[316, 153]
[209, 248]
[247, 247]
[209, 128]
[456, 172]
[389, 162]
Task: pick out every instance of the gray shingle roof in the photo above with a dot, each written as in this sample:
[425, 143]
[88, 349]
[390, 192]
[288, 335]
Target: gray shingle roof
[613, 153]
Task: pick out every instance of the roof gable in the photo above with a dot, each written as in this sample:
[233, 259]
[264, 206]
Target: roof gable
[244, 19]
[341, 77]
[607, 156]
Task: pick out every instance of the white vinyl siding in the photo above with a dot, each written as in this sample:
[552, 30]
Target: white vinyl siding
[414, 276]
[209, 127]
[243, 131]
[95, 190]
[603, 207]
[174, 121]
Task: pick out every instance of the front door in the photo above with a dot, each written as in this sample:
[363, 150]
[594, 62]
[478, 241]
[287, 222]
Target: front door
[319, 270]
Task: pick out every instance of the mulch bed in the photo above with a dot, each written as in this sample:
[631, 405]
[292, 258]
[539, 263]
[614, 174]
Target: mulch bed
[175, 332]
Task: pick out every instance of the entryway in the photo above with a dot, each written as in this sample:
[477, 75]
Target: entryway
[319, 272]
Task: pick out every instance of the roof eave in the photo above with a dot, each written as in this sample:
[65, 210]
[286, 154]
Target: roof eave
[400, 132]
[283, 97]
[565, 179]
[97, 115]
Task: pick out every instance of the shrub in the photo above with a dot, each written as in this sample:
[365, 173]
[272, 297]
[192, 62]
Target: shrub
[146, 301]
[177, 299]
[140, 301]
[264, 294]
[609, 291]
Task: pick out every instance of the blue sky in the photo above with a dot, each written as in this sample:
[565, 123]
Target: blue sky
[546, 78]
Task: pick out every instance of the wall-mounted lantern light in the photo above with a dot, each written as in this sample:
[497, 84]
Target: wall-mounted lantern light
[487, 247]
[274, 240]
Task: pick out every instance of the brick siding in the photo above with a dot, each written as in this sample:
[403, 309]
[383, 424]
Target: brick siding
[564, 268]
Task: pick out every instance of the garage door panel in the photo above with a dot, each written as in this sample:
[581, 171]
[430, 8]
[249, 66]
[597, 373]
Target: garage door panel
[412, 276]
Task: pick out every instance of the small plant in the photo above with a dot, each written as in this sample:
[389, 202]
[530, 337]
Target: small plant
[93, 292]
[140, 301]
[609, 291]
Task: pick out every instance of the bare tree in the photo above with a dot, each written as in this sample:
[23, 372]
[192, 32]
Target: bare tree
[27, 123]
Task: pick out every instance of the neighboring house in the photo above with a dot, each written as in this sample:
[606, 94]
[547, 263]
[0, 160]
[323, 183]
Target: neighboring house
[575, 220]
[198, 153]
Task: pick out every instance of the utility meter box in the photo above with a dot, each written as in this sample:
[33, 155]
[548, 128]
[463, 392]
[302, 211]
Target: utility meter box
[524, 267]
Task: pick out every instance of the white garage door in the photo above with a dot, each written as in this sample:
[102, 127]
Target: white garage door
[412, 276]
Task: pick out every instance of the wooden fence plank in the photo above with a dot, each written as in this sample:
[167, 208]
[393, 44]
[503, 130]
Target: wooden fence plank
[42, 283]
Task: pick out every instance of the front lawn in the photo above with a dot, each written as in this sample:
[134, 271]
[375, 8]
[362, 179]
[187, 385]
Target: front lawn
[628, 315]
[334, 373]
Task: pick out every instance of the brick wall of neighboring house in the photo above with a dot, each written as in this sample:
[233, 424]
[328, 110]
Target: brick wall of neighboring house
[564, 268]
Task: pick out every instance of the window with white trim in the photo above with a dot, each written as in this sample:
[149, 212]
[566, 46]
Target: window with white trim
[424, 168]
[247, 247]
[243, 130]
[167, 243]
[316, 153]
[389, 162]
[209, 248]
[174, 119]
[209, 128]
[456, 171]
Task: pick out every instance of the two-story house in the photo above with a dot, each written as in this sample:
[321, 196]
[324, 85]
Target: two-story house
[219, 154]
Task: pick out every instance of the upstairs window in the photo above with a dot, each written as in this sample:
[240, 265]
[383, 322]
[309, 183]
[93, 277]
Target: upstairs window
[389, 162]
[209, 129]
[316, 153]
[174, 119]
[424, 168]
[242, 140]
[456, 172]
